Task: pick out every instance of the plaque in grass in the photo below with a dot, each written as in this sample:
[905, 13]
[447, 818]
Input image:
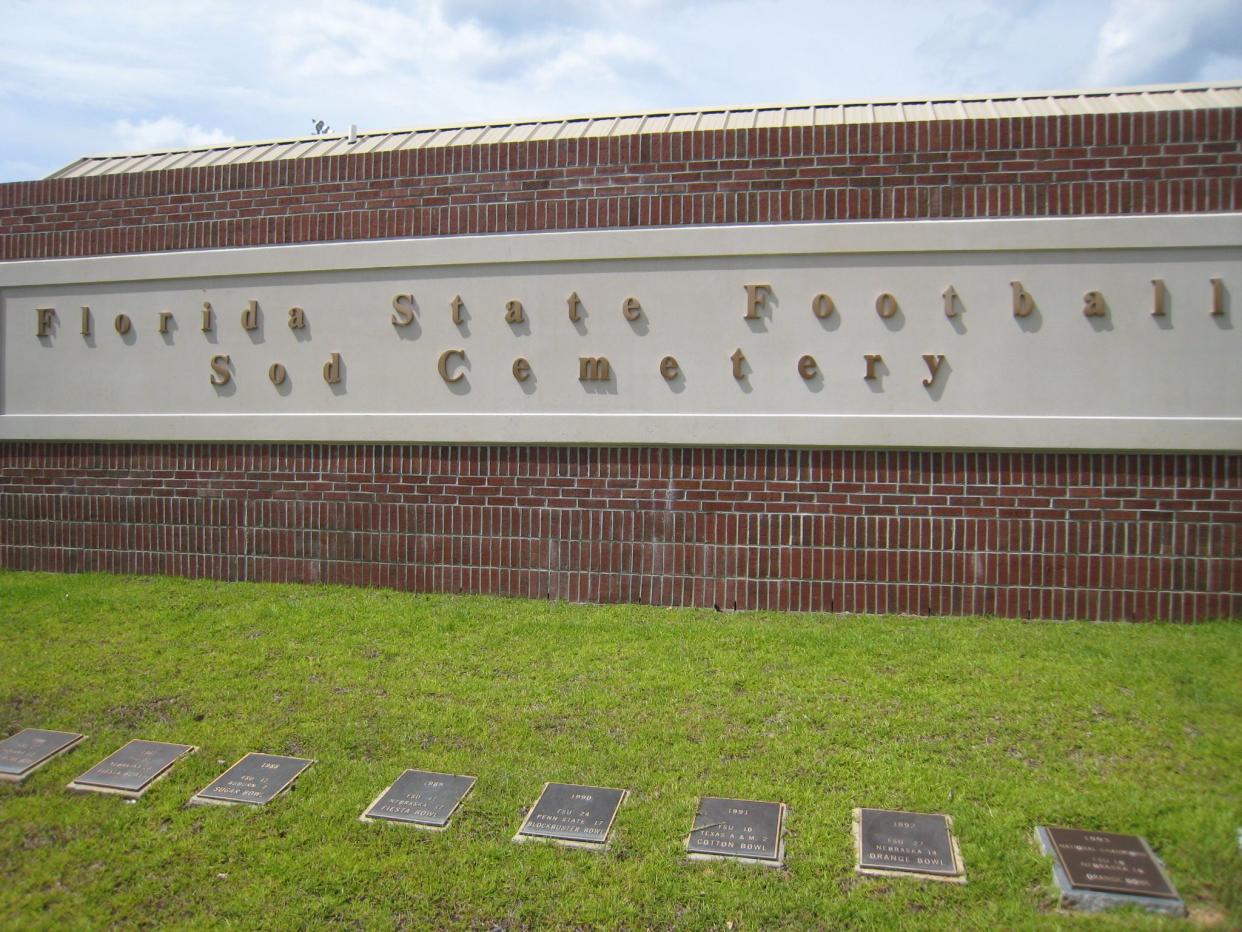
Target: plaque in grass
[421, 798]
[254, 780]
[573, 815]
[891, 843]
[133, 769]
[28, 750]
[1104, 870]
[738, 828]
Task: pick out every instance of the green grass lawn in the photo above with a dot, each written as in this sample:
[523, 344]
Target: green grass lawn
[1002, 724]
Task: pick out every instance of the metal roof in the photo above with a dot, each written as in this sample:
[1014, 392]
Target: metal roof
[1152, 98]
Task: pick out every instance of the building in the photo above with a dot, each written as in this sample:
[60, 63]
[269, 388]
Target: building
[971, 356]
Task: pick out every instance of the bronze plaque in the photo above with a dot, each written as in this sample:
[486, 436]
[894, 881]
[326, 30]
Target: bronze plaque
[421, 797]
[132, 769]
[568, 812]
[906, 841]
[28, 750]
[1110, 863]
[737, 828]
[256, 779]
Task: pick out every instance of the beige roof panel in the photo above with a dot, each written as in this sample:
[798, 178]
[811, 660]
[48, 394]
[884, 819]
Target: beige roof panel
[1152, 98]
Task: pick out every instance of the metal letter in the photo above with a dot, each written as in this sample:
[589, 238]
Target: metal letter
[756, 299]
[669, 368]
[822, 306]
[1093, 304]
[1158, 307]
[250, 316]
[165, 317]
[1023, 303]
[277, 374]
[207, 323]
[443, 364]
[631, 309]
[886, 305]
[332, 369]
[1218, 297]
[738, 359]
[933, 366]
[873, 359]
[220, 368]
[456, 306]
[594, 369]
[521, 369]
[297, 318]
[86, 321]
[403, 304]
[573, 303]
[950, 306]
[45, 316]
[807, 368]
[122, 324]
[514, 313]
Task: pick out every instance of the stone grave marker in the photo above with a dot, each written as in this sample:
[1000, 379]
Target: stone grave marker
[907, 844]
[569, 814]
[254, 780]
[1103, 870]
[741, 829]
[28, 750]
[131, 770]
[420, 797]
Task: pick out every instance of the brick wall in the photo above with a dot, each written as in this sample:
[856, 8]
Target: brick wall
[1013, 534]
[1055, 535]
[1181, 161]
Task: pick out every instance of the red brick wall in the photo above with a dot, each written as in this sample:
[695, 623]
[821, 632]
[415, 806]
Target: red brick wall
[1178, 161]
[1015, 534]
[1058, 535]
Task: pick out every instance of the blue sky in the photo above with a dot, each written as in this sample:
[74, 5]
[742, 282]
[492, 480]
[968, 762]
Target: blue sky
[79, 78]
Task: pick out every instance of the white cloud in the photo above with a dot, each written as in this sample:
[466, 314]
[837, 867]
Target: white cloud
[164, 133]
[1168, 40]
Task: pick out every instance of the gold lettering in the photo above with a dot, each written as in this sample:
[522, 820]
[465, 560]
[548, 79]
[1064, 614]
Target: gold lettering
[950, 301]
[122, 324]
[277, 374]
[1158, 306]
[207, 321]
[573, 303]
[934, 362]
[886, 305]
[631, 309]
[807, 368]
[443, 364]
[521, 369]
[669, 368]
[297, 318]
[756, 299]
[1218, 297]
[594, 369]
[332, 369]
[822, 306]
[738, 359]
[1093, 304]
[165, 317]
[1023, 303]
[45, 316]
[86, 321]
[514, 312]
[250, 316]
[455, 305]
[220, 369]
[873, 360]
[403, 304]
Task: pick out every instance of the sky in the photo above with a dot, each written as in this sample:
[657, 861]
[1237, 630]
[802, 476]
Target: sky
[81, 78]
